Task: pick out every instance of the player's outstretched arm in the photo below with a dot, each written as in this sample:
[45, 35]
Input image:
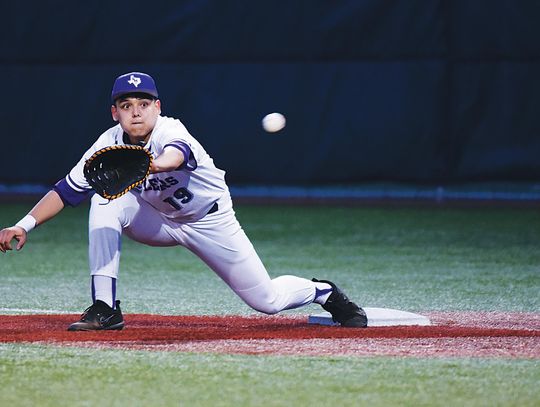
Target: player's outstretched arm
[169, 160]
[48, 207]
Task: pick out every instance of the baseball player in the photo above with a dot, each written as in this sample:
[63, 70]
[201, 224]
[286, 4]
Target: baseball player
[184, 202]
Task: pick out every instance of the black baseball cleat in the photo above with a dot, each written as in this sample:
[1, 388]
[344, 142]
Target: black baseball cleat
[99, 317]
[343, 310]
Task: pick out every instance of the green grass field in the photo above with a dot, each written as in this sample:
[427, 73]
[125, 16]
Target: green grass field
[422, 259]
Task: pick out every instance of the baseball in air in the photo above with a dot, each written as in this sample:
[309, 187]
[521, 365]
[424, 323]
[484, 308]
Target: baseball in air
[273, 122]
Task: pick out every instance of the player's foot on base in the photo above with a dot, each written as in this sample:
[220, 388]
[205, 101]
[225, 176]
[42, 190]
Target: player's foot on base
[99, 316]
[343, 310]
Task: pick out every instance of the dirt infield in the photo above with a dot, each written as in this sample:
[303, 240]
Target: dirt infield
[463, 334]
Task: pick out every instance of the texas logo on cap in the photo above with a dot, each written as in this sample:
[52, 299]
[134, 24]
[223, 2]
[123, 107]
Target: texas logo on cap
[133, 82]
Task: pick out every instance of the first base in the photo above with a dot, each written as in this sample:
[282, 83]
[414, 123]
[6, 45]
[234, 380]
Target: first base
[377, 317]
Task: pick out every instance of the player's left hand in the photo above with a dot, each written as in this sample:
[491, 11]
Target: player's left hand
[8, 234]
[115, 170]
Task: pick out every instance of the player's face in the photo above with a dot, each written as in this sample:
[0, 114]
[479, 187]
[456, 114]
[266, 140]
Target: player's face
[137, 116]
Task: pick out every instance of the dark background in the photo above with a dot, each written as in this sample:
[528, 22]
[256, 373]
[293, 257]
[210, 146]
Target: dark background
[414, 90]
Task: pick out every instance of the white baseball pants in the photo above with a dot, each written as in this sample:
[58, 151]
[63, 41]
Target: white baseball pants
[218, 239]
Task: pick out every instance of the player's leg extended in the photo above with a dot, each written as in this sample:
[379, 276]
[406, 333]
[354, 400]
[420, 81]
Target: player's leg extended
[221, 243]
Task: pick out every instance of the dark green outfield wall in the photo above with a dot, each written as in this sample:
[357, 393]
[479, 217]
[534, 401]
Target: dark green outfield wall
[411, 90]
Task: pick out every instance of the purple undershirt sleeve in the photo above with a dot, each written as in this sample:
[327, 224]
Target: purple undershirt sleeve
[68, 195]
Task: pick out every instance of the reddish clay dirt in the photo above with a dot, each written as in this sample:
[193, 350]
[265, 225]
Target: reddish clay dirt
[463, 334]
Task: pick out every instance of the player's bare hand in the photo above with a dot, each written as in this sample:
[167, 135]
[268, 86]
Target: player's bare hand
[8, 234]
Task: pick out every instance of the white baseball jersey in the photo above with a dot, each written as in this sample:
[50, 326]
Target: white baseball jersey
[183, 195]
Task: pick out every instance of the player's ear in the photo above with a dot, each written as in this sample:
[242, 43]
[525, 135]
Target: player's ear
[158, 104]
[114, 113]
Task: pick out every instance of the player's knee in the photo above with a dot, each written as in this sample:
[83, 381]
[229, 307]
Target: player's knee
[265, 308]
[263, 298]
[104, 212]
[264, 304]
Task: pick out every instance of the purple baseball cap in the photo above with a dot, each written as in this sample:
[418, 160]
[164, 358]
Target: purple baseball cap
[133, 82]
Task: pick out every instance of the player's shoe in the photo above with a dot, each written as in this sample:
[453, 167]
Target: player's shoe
[343, 310]
[98, 317]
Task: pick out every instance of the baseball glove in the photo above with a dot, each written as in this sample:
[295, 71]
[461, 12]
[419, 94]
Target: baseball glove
[113, 171]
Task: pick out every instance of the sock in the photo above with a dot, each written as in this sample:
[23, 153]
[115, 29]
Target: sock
[322, 292]
[104, 289]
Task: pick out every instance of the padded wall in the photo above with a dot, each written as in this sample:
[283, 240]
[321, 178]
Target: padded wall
[416, 90]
